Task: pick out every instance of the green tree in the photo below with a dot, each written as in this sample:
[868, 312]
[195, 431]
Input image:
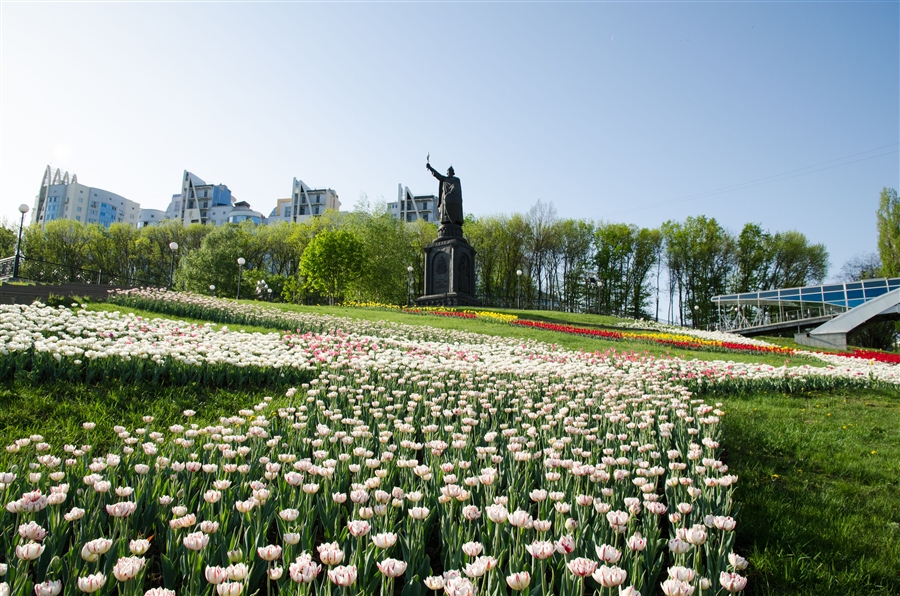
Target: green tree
[577, 248]
[112, 251]
[888, 221]
[215, 263]
[9, 234]
[58, 253]
[699, 257]
[153, 257]
[753, 259]
[796, 262]
[332, 261]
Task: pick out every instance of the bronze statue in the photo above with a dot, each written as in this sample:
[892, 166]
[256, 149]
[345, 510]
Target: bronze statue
[449, 197]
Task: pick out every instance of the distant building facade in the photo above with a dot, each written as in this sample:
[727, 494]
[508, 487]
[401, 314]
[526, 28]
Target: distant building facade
[308, 202]
[410, 207]
[62, 197]
[200, 202]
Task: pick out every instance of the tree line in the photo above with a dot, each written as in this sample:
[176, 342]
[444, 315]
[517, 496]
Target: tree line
[534, 259]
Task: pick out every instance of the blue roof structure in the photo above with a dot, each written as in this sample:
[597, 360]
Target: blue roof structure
[845, 295]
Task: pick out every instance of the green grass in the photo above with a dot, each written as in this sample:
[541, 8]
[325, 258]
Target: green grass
[819, 479]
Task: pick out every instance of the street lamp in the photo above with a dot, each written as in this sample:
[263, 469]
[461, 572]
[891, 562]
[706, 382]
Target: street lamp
[173, 246]
[23, 209]
[212, 289]
[409, 277]
[240, 262]
[599, 287]
[518, 290]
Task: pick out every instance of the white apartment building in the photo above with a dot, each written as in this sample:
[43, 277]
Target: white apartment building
[200, 202]
[63, 197]
[410, 207]
[304, 203]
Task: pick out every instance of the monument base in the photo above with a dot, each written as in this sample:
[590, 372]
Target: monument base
[449, 270]
[450, 299]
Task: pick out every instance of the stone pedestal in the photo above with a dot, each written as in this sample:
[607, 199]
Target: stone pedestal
[449, 270]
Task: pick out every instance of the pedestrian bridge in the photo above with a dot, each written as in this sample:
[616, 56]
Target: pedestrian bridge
[822, 315]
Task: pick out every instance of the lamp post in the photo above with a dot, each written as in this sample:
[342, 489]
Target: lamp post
[212, 289]
[409, 277]
[240, 262]
[696, 316]
[518, 289]
[23, 209]
[599, 288]
[592, 282]
[173, 246]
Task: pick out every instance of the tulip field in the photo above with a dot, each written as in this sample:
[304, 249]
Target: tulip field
[374, 458]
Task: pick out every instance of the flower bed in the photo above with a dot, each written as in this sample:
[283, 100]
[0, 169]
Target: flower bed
[683, 341]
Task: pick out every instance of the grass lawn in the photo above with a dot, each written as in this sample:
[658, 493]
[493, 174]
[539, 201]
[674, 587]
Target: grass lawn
[819, 479]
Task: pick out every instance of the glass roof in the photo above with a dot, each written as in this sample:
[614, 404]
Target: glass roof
[847, 295]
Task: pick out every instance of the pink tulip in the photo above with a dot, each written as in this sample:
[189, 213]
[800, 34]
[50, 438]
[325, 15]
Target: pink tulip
[637, 542]
[215, 575]
[230, 589]
[582, 567]
[392, 567]
[29, 551]
[195, 541]
[610, 577]
[358, 527]
[738, 562]
[518, 581]
[237, 572]
[343, 575]
[732, 582]
[459, 586]
[608, 554]
[121, 509]
[91, 583]
[32, 531]
[541, 549]
[304, 569]
[384, 540]
[565, 545]
[128, 568]
[330, 553]
[269, 553]
[674, 587]
[48, 588]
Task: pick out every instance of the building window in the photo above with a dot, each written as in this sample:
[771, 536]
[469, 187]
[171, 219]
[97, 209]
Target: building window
[316, 211]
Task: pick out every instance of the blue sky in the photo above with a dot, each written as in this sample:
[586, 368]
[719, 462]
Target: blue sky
[624, 112]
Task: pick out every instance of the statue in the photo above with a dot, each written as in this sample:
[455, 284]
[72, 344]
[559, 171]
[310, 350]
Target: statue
[450, 259]
[449, 197]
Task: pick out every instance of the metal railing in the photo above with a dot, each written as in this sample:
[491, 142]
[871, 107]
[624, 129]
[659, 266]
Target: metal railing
[61, 273]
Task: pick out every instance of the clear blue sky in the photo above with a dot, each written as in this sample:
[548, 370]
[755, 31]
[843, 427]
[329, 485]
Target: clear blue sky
[625, 112]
